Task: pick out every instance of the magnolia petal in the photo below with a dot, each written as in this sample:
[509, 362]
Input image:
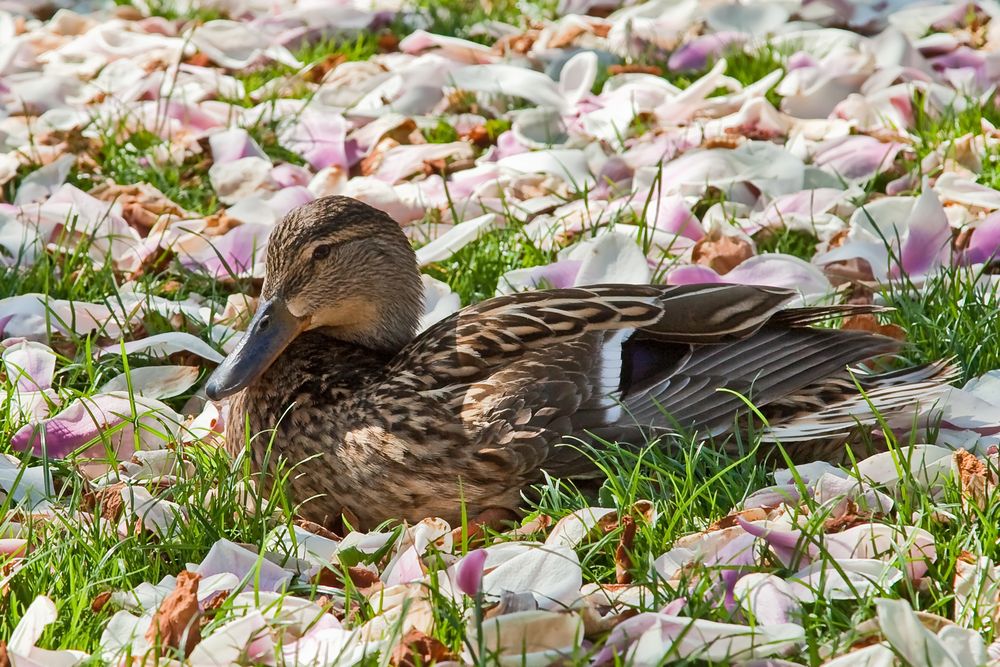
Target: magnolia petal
[469, 572]
[165, 344]
[233, 144]
[30, 366]
[439, 302]
[977, 593]
[91, 420]
[574, 528]
[255, 570]
[577, 77]
[508, 80]
[530, 637]
[847, 579]
[610, 257]
[928, 236]
[984, 246]
[157, 515]
[856, 157]
[124, 634]
[157, 382]
[28, 486]
[551, 573]
[681, 638]
[228, 643]
[907, 635]
[457, 238]
[568, 164]
[557, 275]
[767, 597]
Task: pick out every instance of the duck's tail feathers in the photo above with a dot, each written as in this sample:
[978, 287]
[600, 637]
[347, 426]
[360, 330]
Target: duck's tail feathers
[890, 397]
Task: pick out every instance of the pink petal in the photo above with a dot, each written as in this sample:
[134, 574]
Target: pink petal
[673, 215]
[321, 139]
[790, 546]
[984, 246]
[286, 199]
[469, 577]
[286, 175]
[780, 270]
[768, 597]
[233, 144]
[772, 496]
[88, 420]
[226, 556]
[234, 253]
[692, 275]
[29, 365]
[928, 237]
[856, 157]
[695, 54]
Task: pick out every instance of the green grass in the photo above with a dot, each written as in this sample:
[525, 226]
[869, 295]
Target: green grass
[474, 271]
[781, 239]
[330, 48]
[457, 18]
[171, 9]
[128, 156]
[950, 316]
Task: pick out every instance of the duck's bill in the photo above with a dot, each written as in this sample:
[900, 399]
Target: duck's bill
[271, 330]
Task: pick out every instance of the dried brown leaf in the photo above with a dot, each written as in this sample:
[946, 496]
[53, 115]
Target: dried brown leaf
[4, 658]
[174, 621]
[316, 529]
[752, 514]
[721, 254]
[623, 561]
[635, 68]
[868, 322]
[418, 648]
[109, 500]
[973, 477]
[99, 601]
[372, 161]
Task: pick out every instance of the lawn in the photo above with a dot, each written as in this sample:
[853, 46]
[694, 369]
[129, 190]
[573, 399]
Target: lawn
[147, 148]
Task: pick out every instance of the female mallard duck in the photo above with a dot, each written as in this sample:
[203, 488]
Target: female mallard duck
[472, 409]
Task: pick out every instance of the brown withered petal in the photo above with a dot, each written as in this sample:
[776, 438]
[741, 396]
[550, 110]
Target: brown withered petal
[419, 649]
[752, 514]
[849, 519]
[363, 578]
[99, 601]
[722, 254]
[566, 36]
[372, 161]
[4, 658]
[316, 529]
[174, 622]
[973, 477]
[109, 500]
[868, 322]
[623, 561]
[635, 68]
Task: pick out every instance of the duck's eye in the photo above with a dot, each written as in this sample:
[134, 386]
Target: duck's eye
[321, 251]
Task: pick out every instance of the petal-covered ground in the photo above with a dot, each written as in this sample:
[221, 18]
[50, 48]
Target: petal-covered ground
[848, 150]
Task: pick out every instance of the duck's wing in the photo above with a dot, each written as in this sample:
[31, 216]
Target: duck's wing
[520, 371]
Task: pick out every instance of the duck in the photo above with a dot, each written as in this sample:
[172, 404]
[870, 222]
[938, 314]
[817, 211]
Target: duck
[378, 422]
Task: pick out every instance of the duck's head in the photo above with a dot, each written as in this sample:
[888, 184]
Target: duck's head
[335, 264]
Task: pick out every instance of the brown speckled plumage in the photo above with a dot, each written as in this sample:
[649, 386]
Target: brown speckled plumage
[385, 425]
